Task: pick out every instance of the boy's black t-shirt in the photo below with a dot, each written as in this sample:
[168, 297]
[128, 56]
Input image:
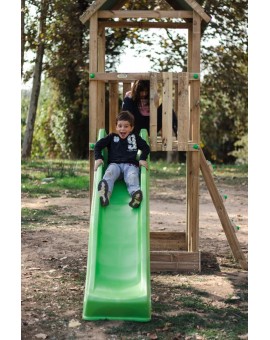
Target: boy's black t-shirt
[122, 150]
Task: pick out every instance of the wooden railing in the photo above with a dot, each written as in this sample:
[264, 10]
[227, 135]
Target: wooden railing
[174, 93]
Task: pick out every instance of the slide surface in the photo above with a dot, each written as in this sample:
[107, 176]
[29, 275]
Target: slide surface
[118, 267]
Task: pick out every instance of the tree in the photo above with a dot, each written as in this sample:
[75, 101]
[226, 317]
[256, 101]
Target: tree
[28, 137]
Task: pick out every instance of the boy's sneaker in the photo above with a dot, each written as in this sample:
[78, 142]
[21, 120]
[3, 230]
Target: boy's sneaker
[103, 192]
[136, 199]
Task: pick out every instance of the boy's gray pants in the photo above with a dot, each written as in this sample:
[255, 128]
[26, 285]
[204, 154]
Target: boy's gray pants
[128, 172]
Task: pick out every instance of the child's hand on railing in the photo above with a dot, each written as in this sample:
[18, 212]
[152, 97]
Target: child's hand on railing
[143, 163]
[98, 162]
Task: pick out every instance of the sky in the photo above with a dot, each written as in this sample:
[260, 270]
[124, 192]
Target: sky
[139, 64]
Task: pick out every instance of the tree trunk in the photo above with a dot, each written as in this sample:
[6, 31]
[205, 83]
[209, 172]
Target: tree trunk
[29, 132]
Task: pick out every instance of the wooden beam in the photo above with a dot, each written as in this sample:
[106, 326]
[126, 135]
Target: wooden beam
[145, 25]
[153, 112]
[167, 96]
[176, 146]
[114, 104]
[91, 10]
[183, 108]
[128, 77]
[126, 88]
[93, 96]
[145, 14]
[167, 240]
[101, 85]
[178, 261]
[198, 9]
[222, 213]
[193, 159]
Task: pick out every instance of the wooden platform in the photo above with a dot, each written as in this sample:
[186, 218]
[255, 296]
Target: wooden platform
[168, 252]
[176, 261]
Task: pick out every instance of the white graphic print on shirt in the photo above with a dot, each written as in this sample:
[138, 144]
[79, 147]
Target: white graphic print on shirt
[132, 145]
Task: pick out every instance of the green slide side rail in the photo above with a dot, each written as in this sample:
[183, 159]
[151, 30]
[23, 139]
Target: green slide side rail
[117, 283]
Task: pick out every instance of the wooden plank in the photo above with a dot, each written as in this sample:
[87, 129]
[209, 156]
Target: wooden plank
[101, 85]
[93, 97]
[92, 9]
[175, 261]
[183, 108]
[175, 102]
[193, 159]
[168, 241]
[126, 88]
[167, 96]
[153, 112]
[176, 146]
[129, 77]
[195, 86]
[140, 24]
[145, 14]
[222, 213]
[114, 104]
[193, 201]
[173, 256]
[198, 9]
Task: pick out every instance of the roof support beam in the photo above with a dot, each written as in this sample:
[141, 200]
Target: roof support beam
[141, 24]
[146, 14]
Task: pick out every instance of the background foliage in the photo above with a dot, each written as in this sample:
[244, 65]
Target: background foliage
[61, 129]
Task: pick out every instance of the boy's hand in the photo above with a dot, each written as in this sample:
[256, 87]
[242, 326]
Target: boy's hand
[98, 162]
[143, 163]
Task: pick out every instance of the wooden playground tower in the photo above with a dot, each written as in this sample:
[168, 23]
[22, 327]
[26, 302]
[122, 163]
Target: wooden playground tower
[170, 251]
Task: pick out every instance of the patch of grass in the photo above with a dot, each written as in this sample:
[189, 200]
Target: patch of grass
[230, 173]
[163, 170]
[30, 216]
[51, 177]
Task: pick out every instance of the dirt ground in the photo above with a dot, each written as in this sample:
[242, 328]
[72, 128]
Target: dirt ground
[54, 256]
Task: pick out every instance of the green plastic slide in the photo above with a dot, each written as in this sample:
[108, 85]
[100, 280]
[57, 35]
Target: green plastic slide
[118, 267]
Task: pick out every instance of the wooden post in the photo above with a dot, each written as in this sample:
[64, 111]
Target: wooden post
[126, 88]
[153, 112]
[193, 158]
[101, 85]
[93, 95]
[222, 213]
[114, 104]
[167, 111]
[183, 108]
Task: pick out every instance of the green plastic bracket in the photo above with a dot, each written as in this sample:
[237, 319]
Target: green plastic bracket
[195, 76]
[91, 146]
[196, 146]
[92, 75]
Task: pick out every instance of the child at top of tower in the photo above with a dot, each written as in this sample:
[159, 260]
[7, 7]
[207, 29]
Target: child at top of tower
[136, 101]
[122, 159]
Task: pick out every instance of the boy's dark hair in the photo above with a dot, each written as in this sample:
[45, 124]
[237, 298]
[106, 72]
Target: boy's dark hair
[125, 115]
